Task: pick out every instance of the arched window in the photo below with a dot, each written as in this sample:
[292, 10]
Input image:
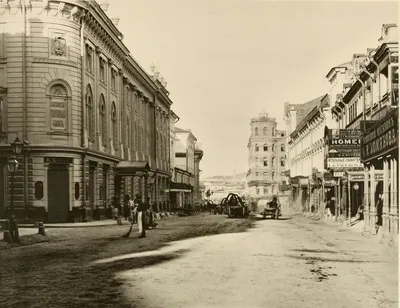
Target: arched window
[265, 161]
[273, 162]
[89, 113]
[114, 125]
[256, 148]
[273, 131]
[265, 148]
[282, 161]
[58, 107]
[256, 131]
[264, 131]
[282, 148]
[103, 120]
[273, 176]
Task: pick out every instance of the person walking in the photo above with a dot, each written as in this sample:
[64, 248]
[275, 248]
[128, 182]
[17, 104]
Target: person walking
[126, 208]
[141, 217]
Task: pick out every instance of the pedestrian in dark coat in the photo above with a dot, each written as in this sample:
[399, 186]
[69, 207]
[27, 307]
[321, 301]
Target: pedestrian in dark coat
[126, 208]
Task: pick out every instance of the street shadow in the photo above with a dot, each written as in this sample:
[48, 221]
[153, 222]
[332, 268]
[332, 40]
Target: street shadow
[280, 218]
[315, 250]
[315, 259]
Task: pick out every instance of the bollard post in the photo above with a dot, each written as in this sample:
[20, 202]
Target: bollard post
[41, 229]
[14, 229]
[6, 234]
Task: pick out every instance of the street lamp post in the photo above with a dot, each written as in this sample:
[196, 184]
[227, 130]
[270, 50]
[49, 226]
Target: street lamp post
[355, 187]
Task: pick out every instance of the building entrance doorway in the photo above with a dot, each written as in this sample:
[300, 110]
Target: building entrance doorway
[58, 193]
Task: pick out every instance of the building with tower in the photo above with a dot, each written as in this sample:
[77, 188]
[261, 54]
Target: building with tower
[267, 157]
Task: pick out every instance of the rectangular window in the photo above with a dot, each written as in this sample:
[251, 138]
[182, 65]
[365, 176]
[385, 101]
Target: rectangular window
[102, 70]
[113, 80]
[89, 58]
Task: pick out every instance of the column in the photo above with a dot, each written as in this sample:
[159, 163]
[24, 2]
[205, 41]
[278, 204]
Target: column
[366, 202]
[385, 211]
[394, 211]
[372, 210]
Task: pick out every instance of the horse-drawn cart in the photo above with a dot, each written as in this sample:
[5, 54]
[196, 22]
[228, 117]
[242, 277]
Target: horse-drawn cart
[235, 206]
[272, 208]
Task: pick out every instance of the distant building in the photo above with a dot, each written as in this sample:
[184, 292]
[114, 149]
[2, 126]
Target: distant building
[184, 188]
[221, 186]
[267, 157]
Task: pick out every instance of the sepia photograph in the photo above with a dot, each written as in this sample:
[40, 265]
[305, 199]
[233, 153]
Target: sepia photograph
[199, 153]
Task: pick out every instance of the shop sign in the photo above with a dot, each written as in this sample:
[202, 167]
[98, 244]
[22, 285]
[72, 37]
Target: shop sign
[330, 182]
[358, 177]
[338, 174]
[344, 142]
[343, 152]
[58, 160]
[382, 138]
[344, 162]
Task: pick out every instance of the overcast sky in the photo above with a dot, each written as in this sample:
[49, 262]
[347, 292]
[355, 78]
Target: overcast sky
[227, 60]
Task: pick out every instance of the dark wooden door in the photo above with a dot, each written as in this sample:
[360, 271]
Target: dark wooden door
[91, 187]
[58, 193]
[2, 190]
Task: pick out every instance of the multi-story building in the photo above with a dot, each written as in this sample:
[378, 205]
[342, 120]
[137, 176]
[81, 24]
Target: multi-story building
[267, 157]
[94, 124]
[306, 153]
[370, 104]
[184, 184]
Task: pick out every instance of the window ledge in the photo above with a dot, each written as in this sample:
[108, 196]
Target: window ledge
[64, 133]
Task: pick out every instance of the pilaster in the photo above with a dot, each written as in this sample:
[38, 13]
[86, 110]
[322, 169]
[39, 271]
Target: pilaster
[385, 212]
[372, 212]
[366, 201]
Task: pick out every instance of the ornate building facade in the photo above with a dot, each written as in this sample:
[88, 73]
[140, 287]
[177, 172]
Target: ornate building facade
[267, 157]
[95, 124]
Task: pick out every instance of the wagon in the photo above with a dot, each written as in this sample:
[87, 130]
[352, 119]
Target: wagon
[235, 206]
[272, 209]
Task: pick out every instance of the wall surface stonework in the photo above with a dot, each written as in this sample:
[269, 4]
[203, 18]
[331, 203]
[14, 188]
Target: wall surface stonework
[43, 67]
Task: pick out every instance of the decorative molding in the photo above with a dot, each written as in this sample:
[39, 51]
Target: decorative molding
[56, 61]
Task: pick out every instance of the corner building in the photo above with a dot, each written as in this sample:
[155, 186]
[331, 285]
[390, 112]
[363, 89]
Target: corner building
[97, 124]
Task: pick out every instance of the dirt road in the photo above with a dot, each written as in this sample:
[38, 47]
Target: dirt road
[286, 263]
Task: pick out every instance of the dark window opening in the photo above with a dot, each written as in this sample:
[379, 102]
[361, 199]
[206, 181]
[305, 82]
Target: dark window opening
[39, 190]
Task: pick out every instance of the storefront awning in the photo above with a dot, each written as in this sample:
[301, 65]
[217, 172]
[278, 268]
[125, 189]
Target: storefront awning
[175, 187]
[131, 168]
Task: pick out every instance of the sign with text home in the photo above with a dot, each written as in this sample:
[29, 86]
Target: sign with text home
[344, 143]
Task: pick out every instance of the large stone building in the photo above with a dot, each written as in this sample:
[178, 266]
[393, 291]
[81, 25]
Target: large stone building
[94, 124]
[267, 157]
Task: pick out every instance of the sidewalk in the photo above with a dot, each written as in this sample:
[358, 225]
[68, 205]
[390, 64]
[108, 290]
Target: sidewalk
[29, 229]
[357, 227]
